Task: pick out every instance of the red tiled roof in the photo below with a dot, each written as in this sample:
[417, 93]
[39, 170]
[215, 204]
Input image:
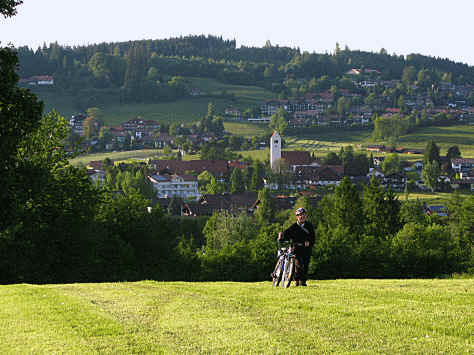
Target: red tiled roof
[296, 157]
[96, 164]
[238, 164]
[215, 167]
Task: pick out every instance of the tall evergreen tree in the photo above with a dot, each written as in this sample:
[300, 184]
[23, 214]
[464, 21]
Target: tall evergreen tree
[347, 207]
[431, 153]
[237, 181]
[430, 173]
[265, 210]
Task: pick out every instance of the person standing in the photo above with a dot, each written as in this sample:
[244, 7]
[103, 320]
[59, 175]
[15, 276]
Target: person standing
[302, 235]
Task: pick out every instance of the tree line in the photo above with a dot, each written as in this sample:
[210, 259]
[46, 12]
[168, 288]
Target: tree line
[152, 70]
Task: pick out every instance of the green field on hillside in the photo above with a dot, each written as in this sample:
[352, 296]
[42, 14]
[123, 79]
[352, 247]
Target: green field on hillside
[244, 94]
[335, 316]
[247, 130]
[115, 156]
[186, 110]
[444, 137]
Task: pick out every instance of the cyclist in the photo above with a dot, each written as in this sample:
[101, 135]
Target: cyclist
[302, 234]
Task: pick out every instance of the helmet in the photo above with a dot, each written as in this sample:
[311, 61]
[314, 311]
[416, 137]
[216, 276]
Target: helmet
[299, 211]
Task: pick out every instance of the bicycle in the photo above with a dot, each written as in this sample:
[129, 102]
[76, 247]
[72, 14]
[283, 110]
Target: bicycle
[284, 270]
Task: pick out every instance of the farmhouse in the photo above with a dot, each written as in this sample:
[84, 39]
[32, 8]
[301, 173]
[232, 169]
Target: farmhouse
[40, 80]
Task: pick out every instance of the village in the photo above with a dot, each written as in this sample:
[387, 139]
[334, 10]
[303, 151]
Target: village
[289, 175]
[366, 98]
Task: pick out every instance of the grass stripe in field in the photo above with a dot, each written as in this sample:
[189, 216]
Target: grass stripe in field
[334, 316]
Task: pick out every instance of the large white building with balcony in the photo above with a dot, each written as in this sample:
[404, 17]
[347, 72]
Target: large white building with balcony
[184, 186]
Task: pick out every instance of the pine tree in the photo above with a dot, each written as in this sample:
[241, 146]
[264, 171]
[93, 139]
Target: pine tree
[265, 210]
[347, 208]
[237, 181]
[431, 153]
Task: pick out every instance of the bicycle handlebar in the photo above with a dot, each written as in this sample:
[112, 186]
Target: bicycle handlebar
[290, 242]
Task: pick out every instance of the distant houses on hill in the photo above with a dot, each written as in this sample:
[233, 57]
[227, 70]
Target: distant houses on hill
[37, 80]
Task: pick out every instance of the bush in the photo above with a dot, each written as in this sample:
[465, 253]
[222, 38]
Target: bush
[425, 251]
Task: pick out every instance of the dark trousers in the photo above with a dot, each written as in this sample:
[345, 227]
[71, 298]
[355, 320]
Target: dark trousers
[302, 262]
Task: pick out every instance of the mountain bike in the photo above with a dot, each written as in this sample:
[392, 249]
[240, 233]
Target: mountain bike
[285, 267]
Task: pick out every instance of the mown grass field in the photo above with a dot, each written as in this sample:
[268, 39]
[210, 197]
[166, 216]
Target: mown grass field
[444, 137]
[247, 130]
[432, 198]
[115, 156]
[336, 316]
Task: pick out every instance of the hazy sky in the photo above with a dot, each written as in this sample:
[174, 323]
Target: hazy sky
[437, 28]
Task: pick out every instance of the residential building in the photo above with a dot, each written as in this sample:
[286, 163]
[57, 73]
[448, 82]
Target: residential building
[184, 186]
[461, 164]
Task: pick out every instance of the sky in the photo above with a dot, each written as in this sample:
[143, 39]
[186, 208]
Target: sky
[437, 28]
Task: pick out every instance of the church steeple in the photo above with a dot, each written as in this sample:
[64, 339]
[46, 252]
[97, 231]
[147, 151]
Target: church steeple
[275, 151]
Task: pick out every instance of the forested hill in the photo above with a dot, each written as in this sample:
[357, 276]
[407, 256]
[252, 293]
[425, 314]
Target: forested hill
[143, 70]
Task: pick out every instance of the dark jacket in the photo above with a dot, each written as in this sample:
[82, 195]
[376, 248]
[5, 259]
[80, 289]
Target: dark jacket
[299, 235]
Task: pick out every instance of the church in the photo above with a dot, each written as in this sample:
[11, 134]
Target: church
[292, 159]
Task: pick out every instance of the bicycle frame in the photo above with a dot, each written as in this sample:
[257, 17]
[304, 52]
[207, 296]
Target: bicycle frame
[284, 268]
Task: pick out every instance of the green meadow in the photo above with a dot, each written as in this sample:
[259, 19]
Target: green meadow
[189, 109]
[243, 94]
[333, 316]
[247, 130]
[444, 137]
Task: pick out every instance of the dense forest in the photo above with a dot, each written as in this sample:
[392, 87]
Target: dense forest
[153, 70]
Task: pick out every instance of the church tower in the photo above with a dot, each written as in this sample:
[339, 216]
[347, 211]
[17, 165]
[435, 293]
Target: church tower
[275, 151]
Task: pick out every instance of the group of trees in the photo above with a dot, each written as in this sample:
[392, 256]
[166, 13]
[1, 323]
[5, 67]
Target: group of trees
[354, 163]
[240, 181]
[358, 234]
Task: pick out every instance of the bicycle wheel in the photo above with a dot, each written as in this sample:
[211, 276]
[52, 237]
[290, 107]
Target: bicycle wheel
[288, 273]
[277, 273]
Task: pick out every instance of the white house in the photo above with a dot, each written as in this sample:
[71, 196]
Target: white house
[460, 164]
[184, 186]
[375, 172]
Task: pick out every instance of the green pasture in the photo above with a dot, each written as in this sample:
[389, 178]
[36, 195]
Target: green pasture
[148, 317]
[115, 156]
[244, 94]
[144, 154]
[247, 130]
[185, 110]
[444, 137]
[432, 198]
[261, 154]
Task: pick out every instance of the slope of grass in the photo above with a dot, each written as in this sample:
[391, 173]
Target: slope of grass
[247, 130]
[339, 316]
[243, 93]
[444, 137]
[132, 154]
[186, 110]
